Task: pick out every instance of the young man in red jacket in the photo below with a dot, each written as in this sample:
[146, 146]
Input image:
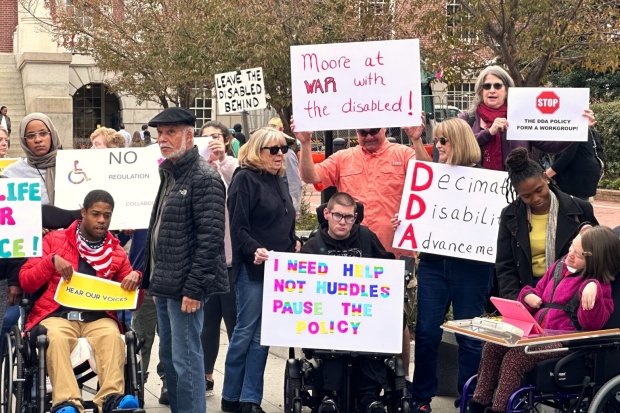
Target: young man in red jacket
[89, 248]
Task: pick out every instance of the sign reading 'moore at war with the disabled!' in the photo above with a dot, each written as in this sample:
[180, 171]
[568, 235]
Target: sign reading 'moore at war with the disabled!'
[20, 218]
[333, 302]
[356, 85]
[451, 210]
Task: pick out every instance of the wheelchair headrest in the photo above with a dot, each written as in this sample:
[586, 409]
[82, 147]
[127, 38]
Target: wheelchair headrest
[359, 210]
[56, 218]
[614, 319]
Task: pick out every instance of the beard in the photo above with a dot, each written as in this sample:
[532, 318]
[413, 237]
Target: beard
[178, 152]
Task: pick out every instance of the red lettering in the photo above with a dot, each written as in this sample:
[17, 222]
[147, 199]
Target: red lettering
[413, 199]
[414, 180]
[409, 235]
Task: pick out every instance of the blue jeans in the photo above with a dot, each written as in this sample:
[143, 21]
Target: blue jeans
[246, 358]
[180, 352]
[465, 284]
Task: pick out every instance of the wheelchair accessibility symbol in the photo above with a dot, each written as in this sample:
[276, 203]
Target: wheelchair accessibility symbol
[77, 175]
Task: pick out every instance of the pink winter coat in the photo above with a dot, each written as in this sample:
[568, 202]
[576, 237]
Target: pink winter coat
[569, 285]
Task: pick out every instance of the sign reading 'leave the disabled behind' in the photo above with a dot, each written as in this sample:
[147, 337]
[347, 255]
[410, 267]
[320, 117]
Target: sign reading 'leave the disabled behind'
[547, 114]
[331, 302]
[240, 90]
[86, 292]
[356, 85]
[130, 175]
[20, 218]
[451, 210]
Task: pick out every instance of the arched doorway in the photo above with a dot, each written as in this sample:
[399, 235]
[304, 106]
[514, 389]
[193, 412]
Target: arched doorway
[93, 106]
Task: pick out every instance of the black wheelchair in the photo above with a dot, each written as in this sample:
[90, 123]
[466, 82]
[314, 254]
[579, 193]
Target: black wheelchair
[585, 380]
[24, 383]
[302, 382]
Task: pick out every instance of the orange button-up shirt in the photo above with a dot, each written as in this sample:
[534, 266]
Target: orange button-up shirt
[374, 179]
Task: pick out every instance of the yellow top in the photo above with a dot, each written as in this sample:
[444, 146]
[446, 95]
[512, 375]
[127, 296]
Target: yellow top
[538, 242]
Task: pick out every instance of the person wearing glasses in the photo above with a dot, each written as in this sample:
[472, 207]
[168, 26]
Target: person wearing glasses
[340, 235]
[487, 118]
[39, 140]
[444, 280]
[221, 306]
[5, 142]
[262, 219]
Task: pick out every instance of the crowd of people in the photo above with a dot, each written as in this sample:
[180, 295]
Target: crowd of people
[220, 211]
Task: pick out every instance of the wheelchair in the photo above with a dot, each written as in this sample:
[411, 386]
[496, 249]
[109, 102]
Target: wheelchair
[24, 383]
[586, 380]
[302, 382]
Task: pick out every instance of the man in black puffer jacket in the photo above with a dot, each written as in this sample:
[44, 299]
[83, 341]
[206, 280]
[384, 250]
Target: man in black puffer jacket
[185, 260]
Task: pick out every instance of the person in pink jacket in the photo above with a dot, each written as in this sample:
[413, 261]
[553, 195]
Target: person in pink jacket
[574, 294]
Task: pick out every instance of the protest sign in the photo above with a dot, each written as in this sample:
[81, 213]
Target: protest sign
[332, 302]
[86, 292]
[130, 175]
[451, 210]
[547, 114]
[240, 90]
[356, 85]
[20, 218]
[5, 162]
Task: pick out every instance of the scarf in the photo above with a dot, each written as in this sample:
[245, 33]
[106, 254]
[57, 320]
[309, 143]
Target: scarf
[97, 254]
[47, 161]
[552, 224]
[492, 156]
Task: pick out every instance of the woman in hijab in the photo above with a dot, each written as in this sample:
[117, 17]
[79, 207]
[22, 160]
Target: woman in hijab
[39, 140]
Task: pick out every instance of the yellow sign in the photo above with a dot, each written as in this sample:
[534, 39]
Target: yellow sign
[5, 162]
[87, 292]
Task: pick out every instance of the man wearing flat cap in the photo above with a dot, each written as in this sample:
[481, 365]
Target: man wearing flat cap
[185, 260]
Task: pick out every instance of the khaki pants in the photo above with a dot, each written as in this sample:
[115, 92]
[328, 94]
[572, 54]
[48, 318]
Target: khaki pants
[108, 347]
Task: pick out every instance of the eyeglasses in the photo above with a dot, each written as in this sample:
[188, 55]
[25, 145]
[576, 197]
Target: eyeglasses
[441, 140]
[496, 86]
[33, 135]
[274, 149]
[363, 133]
[349, 219]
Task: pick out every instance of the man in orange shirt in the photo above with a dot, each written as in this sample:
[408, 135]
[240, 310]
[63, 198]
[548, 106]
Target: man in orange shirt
[374, 174]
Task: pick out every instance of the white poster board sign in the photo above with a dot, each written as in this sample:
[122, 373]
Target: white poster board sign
[547, 114]
[20, 218]
[330, 302]
[240, 90]
[130, 175]
[356, 85]
[451, 210]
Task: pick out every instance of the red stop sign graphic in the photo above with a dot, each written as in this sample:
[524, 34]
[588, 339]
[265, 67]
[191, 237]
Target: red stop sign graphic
[547, 102]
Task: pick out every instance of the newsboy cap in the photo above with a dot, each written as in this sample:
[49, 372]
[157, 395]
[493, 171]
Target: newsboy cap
[173, 116]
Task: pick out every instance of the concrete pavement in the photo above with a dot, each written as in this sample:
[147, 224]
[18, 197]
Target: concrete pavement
[273, 397]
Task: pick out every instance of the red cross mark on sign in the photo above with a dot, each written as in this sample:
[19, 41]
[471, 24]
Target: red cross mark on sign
[547, 102]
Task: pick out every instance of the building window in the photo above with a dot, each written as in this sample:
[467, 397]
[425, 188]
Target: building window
[202, 107]
[377, 7]
[458, 21]
[461, 95]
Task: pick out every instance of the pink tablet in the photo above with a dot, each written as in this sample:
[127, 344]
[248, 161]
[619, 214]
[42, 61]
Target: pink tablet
[514, 313]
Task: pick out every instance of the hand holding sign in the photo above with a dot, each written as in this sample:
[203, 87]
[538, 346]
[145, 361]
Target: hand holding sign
[63, 267]
[131, 281]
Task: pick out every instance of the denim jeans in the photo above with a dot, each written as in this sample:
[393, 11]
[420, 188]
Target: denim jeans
[465, 284]
[246, 358]
[180, 352]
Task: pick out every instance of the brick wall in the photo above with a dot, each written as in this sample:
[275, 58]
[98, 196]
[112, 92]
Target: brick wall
[8, 22]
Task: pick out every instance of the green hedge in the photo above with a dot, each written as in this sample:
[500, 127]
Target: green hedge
[608, 117]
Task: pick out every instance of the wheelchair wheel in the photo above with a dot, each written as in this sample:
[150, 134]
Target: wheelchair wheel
[292, 387]
[607, 399]
[12, 384]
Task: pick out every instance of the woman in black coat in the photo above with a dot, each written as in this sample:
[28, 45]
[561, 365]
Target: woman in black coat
[536, 228]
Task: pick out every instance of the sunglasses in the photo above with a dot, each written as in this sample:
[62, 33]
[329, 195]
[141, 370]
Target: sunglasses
[441, 140]
[496, 86]
[274, 149]
[363, 133]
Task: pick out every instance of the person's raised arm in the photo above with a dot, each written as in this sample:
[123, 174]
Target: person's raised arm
[306, 165]
[415, 137]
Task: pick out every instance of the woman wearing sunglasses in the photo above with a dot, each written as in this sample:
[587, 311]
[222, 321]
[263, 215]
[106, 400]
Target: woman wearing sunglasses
[39, 140]
[262, 219]
[446, 280]
[487, 118]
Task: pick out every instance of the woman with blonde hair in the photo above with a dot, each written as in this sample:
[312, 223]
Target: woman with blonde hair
[444, 280]
[4, 142]
[262, 219]
[101, 136]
